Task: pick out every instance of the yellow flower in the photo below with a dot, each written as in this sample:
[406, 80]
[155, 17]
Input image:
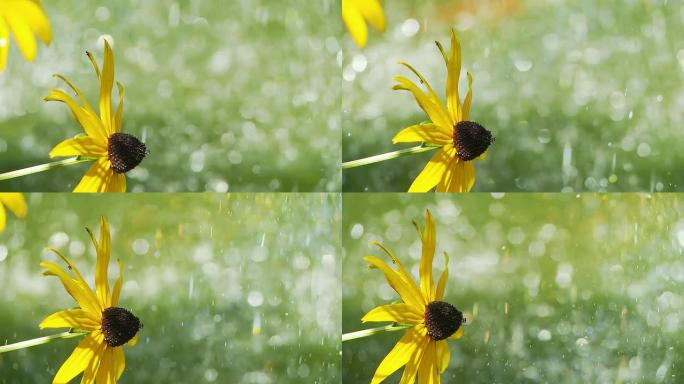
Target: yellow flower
[451, 169]
[423, 348]
[15, 202]
[116, 152]
[24, 18]
[100, 354]
[356, 13]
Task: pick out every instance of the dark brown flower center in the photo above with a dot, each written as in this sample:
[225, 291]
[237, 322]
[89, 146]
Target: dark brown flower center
[442, 320]
[471, 140]
[125, 152]
[119, 326]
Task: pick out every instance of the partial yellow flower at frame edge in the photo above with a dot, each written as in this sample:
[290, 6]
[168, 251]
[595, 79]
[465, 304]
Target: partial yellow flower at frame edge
[99, 356]
[356, 14]
[115, 152]
[15, 202]
[423, 349]
[26, 20]
[451, 169]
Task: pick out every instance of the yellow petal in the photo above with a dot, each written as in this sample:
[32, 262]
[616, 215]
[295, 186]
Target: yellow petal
[117, 286]
[458, 334]
[441, 285]
[90, 123]
[71, 318]
[119, 110]
[433, 108]
[79, 146]
[4, 43]
[443, 355]
[106, 373]
[78, 361]
[411, 369]
[106, 84]
[32, 14]
[83, 295]
[132, 342]
[400, 313]
[3, 218]
[15, 202]
[373, 13]
[353, 19]
[22, 34]
[453, 75]
[118, 362]
[410, 295]
[428, 240]
[468, 99]
[100, 178]
[427, 370]
[103, 252]
[91, 369]
[399, 355]
[459, 176]
[427, 133]
[78, 93]
[433, 171]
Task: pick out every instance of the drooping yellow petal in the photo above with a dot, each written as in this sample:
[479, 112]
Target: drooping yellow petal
[427, 370]
[83, 295]
[77, 92]
[106, 84]
[90, 123]
[132, 342]
[373, 13]
[430, 176]
[458, 177]
[118, 362]
[434, 110]
[91, 369]
[71, 318]
[3, 218]
[432, 96]
[443, 355]
[453, 76]
[103, 252]
[106, 373]
[410, 295]
[117, 286]
[79, 359]
[353, 19]
[4, 43]
[411, 369]
[441, 285]
[100, 178]
[400, 313]
[80, 146]
[427, 133]
[428, 240]
[15, 202]
[399, 355]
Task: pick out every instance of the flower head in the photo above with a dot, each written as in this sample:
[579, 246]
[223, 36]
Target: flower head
[356, 13]
[115, 152]
[15, 202]
[24, 18]
[99, 355]
[451, 169]
[423, 348]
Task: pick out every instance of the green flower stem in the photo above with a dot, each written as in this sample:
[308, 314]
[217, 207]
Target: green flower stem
[40, 341]
[374, 331]
[44, 167]
[389, 156]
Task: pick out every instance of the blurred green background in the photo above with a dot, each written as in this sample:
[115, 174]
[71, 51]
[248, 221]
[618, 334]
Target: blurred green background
[581, 96]
[592, 283]
[201, 272]
[228, 95]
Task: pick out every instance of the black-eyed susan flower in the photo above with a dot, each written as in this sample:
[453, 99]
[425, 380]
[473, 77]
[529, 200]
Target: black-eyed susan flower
[451, 169]
[24, 18]
[14, 202]
[115, 152]
[356, 13]
[423, 349]
[100, 354]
